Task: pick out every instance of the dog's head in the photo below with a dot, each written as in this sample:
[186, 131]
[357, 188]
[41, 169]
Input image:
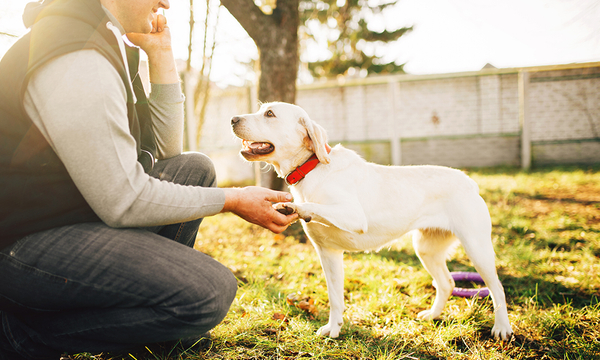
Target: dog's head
[280, 133]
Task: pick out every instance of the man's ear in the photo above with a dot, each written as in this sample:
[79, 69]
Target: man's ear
[317, 139]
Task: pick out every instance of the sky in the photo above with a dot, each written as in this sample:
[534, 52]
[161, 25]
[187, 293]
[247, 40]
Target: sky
[448, 36]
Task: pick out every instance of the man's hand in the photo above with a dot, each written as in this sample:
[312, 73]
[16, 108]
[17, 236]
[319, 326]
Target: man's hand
[254, 204]
[157, 45]
[157, 40]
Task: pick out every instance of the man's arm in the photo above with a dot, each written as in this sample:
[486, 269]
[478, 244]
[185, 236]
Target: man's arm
[166, 107]
[166, 99]
[78, 101]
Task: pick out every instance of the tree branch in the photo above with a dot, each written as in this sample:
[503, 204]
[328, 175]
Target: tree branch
[7, 34]
[250, 16]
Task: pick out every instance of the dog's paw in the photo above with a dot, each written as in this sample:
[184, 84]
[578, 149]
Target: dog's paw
[332, 330]
[284, 208]
[427, 315]
[290, 208]
[502, 332]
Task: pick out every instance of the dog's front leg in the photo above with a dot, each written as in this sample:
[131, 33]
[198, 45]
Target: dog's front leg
[332, 263]
[348, 216]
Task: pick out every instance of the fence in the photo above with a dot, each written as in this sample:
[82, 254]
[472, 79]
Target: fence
[517, 117]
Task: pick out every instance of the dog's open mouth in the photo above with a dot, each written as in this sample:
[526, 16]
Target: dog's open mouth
[256, 148]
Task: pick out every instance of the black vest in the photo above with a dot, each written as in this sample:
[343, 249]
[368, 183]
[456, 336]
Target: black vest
[36, 192]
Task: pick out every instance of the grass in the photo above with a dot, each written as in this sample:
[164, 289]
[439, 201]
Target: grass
[547, 239]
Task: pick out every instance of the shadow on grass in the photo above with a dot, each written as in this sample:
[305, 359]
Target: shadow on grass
[545, 169]
[554, 199]
[545, 293]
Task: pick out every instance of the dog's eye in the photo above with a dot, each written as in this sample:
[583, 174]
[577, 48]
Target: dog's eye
[269, 113]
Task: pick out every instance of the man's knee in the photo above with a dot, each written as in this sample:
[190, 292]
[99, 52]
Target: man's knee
[208, 298]
[203, 165]
[227, 292]
[190, 168]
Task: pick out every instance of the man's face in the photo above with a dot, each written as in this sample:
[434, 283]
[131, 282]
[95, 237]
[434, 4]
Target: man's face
[135, 15]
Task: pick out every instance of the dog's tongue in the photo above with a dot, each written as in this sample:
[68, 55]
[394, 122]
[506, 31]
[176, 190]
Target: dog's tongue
[260, 147]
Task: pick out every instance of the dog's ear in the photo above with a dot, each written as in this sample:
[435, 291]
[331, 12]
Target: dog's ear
[317, 139]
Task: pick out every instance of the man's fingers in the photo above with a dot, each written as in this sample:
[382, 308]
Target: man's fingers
[284, 219]
[278, 227]
[159, 22]
[281, 219]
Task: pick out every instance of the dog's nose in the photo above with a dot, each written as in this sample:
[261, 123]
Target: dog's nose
[235, 120]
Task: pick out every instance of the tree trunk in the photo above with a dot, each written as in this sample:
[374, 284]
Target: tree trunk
[279, 55]
[276, 36]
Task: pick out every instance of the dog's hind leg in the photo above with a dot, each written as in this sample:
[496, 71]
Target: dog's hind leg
[333, 266]
[483, 259]
[477, 242]
[432, 247]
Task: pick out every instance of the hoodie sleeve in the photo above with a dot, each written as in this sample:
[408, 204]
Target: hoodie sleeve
[78, 102]
[166, 106]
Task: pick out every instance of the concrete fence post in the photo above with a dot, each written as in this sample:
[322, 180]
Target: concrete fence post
[524, 120]
[189, 82]
[395, 137]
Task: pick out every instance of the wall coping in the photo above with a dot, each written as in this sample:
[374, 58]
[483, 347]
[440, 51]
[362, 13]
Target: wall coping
[386, 79]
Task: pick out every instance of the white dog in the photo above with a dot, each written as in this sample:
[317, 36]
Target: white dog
[349, 204]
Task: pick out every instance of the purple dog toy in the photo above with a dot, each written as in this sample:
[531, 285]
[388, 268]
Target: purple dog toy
[469, 276]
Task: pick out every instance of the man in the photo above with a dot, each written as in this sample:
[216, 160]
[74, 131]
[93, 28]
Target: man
[96, 236]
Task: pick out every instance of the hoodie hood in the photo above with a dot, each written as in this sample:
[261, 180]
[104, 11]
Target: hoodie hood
[63, 26]
[32, 10]
[78, 9]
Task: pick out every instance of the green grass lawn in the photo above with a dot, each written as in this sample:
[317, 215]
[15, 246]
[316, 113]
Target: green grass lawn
[547, 238]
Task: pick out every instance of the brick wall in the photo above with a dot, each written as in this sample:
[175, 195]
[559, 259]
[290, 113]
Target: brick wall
[462, 120]
[565, 105]
[478, 151]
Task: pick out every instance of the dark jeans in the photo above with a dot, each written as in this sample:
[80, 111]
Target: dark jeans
[93, 288]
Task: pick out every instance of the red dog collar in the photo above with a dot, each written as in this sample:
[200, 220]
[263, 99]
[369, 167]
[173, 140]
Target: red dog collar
[301, 171]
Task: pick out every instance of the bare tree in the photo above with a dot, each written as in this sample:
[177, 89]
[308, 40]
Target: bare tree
[197, 85]
[202, 93]
[190, 123]
[190, 48]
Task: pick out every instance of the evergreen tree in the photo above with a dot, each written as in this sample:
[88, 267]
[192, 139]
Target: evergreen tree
[345, 23]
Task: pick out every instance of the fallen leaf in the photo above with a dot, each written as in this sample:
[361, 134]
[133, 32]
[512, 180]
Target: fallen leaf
[305, 303]
[307, 306]
[292, 299]
[279, 317]
[270, 331]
